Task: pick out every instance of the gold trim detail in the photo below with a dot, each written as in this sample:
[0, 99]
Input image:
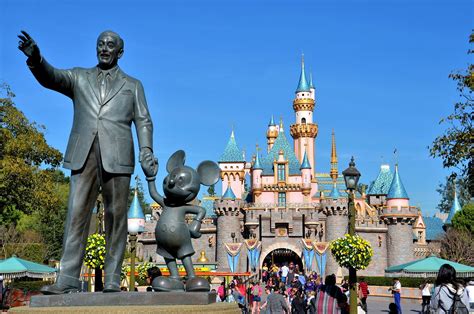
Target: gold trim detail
[304, 130]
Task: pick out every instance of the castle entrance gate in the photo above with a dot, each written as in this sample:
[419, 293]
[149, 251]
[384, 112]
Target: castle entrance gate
[280, 253]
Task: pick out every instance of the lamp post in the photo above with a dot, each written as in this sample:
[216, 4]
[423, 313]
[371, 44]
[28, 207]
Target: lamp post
[351, 178]
[136, 225]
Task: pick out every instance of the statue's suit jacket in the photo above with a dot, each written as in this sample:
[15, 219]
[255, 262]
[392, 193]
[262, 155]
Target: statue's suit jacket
[109, 119]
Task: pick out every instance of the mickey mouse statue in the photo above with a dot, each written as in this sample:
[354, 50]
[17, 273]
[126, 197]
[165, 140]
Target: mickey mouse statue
[173, 234]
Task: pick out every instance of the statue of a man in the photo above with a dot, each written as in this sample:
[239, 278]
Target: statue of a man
[100, 152]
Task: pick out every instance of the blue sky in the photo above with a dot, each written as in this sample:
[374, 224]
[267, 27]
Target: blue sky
[380, 69]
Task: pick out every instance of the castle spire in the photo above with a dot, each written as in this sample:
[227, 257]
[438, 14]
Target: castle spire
[272, 122]
[305, 163]
[303, 85]
[311, 86]
[454, 208]
[281, 126]
[334, 171]
[257, 164]
[397, 190]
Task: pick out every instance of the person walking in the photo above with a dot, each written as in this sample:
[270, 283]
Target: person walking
[257, 297]
[363, 291]
[449, 293]
[396, 290]
[426, 296]
[298, 305]
[276, 302]
[330, 299]
[284, 273]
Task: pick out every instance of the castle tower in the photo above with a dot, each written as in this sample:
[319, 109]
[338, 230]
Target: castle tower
[257, 170]
[311, 86]
[306, 175]
[335, 208]
[399, 217]
[334, 172]
[304, 131]
[228, 214]
[232, 165]
[272, 134]
[454, 209]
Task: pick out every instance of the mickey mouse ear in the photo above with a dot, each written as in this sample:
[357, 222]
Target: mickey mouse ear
[176, 160]
[208, 172]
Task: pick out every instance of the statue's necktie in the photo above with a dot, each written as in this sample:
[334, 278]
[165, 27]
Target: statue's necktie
[103, 85]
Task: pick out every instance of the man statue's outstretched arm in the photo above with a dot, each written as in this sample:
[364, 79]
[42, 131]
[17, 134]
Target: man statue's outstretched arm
[48, 76]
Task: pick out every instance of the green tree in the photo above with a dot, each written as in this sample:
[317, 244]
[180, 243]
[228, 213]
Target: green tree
[457, 246]
[464, 219]
[447, 193]
[454, 147]
[211, 191]
[32, 191]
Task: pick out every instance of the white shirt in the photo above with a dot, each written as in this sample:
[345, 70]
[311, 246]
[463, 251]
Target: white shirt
[426, 292]
[397, 286]
[470, 292]
[284, 271]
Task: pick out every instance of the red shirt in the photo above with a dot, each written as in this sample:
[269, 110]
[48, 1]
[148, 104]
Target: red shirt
[364, 288]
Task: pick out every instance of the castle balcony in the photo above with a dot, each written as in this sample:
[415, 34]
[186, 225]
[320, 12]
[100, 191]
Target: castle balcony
[303, 104]
[399, 214]
[304, 130]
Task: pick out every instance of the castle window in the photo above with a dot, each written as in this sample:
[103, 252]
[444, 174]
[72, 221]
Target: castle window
[281, 198]
[303, 120]
[281, 172]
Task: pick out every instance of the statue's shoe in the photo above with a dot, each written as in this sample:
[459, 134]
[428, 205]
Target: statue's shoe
[58, 289]
[196, 284]
[111, 288]
[167, 284]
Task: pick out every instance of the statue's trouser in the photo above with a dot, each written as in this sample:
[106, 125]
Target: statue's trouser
[84, 189]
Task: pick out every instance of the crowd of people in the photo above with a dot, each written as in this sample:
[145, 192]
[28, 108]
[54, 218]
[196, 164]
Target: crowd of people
[291, 290]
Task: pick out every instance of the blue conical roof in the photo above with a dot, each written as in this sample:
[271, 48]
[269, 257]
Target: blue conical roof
[334, 192]
[397, 190]
[303, 85]
[454, 208]
[311, 80]
[381, 185]
[229, 194]
[135, 210]
[272, 122]
[257, 164]
[232, 153]
[305, 164]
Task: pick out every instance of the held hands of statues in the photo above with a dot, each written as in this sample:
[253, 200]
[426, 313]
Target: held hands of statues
[28, 46]
[149, 163]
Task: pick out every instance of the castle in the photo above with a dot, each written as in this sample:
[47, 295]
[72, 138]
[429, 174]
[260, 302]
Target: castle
[276, 207]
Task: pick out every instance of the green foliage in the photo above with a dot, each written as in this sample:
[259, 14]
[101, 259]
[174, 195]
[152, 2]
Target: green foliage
[141, 196]
[143, 268]
[211, 191]
[464, 219]
[406, 282]
[33, 285]
[95, 251]
[447, 192]
[454, 147]
[35, 252]
[352, 251]
[33, 193]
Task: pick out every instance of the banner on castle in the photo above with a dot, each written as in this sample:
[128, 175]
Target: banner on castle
[253, 252]
[233, 254]
[321, 255]
[308, 253]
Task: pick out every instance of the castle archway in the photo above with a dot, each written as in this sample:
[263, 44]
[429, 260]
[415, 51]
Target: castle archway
[280, 253]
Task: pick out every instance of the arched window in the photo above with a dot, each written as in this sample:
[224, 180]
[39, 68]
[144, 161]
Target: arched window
[303, 120]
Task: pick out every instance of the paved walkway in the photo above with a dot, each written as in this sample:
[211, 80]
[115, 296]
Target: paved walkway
[380, 305]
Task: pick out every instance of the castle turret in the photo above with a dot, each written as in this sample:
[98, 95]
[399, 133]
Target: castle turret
[272, 134]
[232, 165]
[399, 217]
[257, 170]
[304, 131]
[455, 207]
[306, 175]
[228, 211]
[335, 207]
[311, 86]
[334, 171]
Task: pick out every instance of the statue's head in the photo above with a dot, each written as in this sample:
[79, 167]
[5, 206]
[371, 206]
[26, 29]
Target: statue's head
[109, 49]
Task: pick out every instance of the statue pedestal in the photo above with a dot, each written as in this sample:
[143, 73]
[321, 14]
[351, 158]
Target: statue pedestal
[128, 302]
[123, 298]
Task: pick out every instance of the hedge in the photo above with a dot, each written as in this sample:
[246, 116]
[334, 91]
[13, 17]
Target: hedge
[29, 285]
[408, 282]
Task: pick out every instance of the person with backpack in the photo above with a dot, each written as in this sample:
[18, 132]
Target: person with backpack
[256, 297]
[449, 296]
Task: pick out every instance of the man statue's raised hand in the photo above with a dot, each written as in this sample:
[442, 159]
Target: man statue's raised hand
[29, 47]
